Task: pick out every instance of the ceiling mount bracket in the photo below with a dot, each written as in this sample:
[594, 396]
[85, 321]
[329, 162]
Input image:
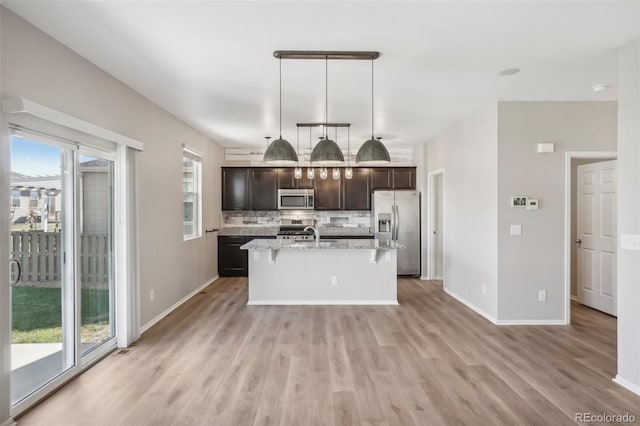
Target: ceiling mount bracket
[323, 124]
[327, 54]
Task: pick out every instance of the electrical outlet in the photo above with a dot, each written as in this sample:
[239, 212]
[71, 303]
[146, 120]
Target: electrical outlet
[387, 255]
[256, 255]
[542, 295]
[516, 230]
[152, 295]
[334, 280]
[484, 289]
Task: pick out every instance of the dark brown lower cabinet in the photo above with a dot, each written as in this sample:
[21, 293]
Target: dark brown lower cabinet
[232, 260]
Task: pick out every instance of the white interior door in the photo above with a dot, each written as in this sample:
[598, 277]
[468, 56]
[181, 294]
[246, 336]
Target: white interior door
[596, 236]
[438, 225]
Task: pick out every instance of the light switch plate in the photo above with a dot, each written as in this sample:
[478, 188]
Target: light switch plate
[630, 242]
[516, 230]
[542, 295]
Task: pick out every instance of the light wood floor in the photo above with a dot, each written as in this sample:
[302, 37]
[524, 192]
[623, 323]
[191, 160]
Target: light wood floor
[429, 361]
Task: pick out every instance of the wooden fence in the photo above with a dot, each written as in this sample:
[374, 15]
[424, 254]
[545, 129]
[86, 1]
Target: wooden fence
[39, 254]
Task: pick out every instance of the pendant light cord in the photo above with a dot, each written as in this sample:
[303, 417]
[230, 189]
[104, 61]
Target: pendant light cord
[348, 144]
[280, 76]
[326, 95]
[371, 98]
[310, 146]
[298, 139]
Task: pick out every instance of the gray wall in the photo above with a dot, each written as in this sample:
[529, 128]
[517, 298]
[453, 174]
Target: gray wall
[629, 214]
[467, 152]
[37, 67]
[535, 260]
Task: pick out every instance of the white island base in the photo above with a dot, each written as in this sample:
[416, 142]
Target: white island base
[346, 272]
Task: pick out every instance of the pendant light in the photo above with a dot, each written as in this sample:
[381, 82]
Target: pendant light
[297, 172]
[335, 173]
[280, 151]
[372, 151]
[310, 171]
[348, 171]
[326, 152]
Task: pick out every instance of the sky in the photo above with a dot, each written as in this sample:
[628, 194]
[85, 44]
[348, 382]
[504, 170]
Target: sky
[37, 159]
[34, 159]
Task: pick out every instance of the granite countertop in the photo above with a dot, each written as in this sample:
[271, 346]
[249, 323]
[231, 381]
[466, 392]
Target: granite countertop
[266, 231]
[323, 245]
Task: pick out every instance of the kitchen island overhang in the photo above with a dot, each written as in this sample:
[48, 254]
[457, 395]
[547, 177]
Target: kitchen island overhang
[338, 272]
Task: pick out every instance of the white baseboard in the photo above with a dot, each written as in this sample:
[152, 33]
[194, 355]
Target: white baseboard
[322, 302]
[627, 384]
[532, 322]
[574, 298]
[470, 305]
[176, 305]
[424, 278]
[9, 422]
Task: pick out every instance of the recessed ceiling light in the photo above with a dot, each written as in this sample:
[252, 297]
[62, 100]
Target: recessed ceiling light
[600, 87]
[509, 71]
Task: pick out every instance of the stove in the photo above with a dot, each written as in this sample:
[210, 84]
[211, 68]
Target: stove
[293, 229]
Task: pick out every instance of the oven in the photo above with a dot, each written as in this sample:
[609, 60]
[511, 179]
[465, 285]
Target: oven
[295, 199]
[293, 229]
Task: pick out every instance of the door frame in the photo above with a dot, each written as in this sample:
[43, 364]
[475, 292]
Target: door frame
[568, 215]
[431, 213]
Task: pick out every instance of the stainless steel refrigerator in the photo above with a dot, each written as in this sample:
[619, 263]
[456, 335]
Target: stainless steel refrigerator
[396, 216]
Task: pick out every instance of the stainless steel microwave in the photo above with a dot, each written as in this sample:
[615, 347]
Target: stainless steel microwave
[295, 199]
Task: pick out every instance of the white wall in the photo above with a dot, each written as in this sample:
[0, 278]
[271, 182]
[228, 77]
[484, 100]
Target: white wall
[467, 152]
[39, 68]
[535, 260]
[629, 214]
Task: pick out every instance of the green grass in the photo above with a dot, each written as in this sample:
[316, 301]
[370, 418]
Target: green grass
[37, 313]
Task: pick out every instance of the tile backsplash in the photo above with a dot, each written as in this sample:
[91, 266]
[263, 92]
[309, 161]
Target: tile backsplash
[359, 218]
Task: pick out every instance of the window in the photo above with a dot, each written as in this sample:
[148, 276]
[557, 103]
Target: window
[15, 198]
[34, 197]
[192, 194]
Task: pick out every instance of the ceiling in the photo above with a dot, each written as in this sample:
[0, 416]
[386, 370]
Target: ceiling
[211, 63]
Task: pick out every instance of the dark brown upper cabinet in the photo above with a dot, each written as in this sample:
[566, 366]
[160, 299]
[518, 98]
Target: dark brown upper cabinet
[235, 188]
[256, 188]
[264, 189]
[381, 178]
[404, 178]
[328, 193]
[305, 183]
[357, 191]
[286, 179]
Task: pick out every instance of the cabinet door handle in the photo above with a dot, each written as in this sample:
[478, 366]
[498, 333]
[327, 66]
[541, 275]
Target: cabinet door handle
[17, 262]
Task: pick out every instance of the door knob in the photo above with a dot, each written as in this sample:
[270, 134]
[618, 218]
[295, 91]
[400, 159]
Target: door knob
[578, 241]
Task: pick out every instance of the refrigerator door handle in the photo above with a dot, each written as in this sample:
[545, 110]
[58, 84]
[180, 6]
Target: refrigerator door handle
[397, 221]
[393, 224]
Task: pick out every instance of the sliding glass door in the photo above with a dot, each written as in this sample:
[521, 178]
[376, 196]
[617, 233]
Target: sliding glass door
[62, 256]
[96, 251]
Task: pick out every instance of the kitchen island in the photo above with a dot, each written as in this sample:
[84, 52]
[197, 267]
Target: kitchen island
[331, 272]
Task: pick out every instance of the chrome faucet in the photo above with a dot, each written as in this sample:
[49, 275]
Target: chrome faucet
[316, 233]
